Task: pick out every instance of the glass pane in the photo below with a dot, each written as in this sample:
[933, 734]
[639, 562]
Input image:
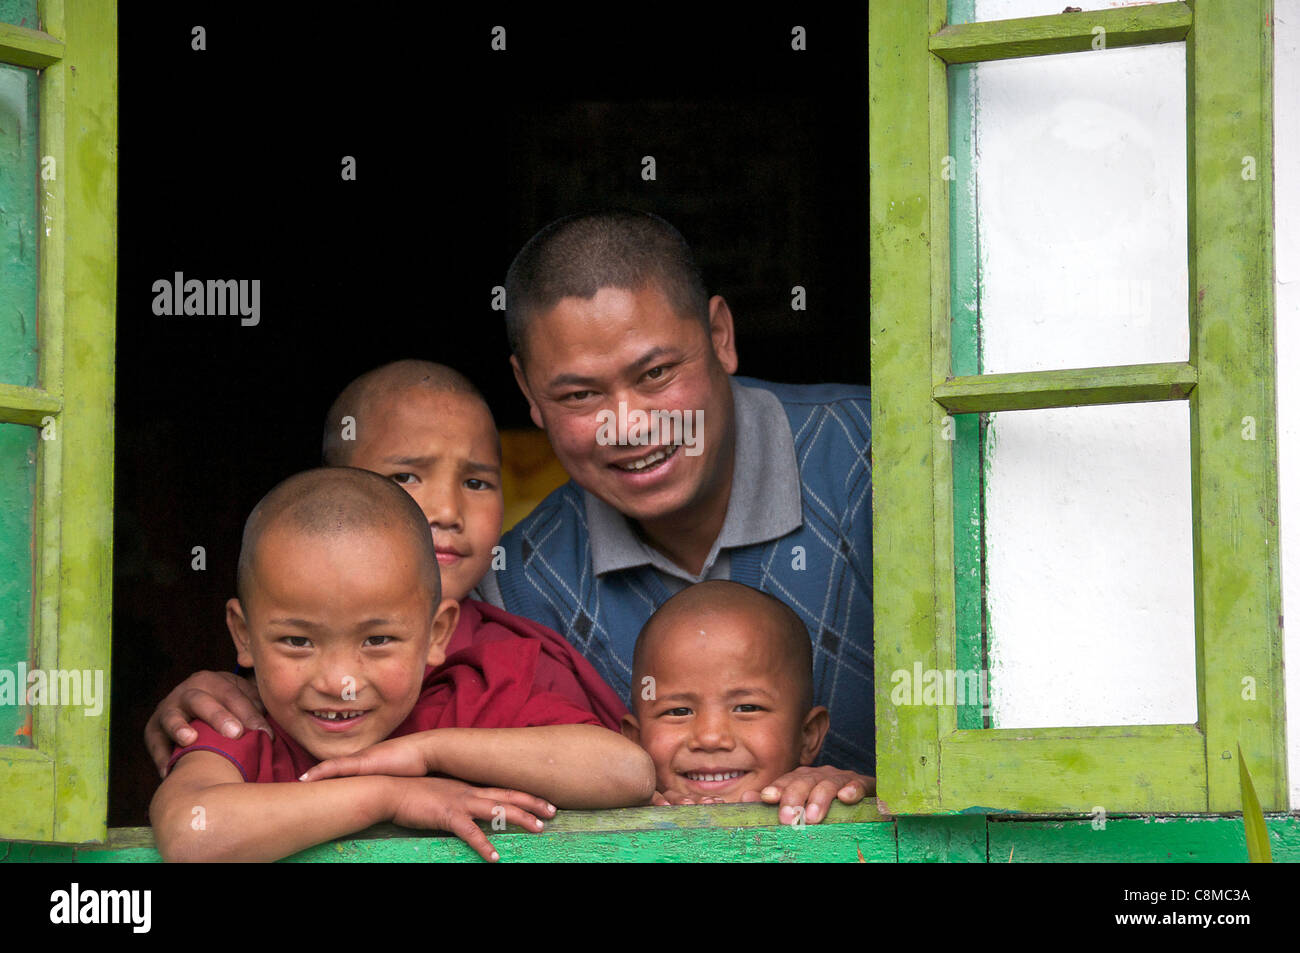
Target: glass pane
[1080, 207]
[18, 446]
[1088, 540]
[18, 225]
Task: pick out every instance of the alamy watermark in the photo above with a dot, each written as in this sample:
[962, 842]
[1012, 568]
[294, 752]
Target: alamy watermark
[78, 688]
[657, 428]
[940, 687]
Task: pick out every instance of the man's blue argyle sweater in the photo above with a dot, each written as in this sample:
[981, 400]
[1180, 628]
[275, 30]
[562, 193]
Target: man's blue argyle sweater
[822, 569]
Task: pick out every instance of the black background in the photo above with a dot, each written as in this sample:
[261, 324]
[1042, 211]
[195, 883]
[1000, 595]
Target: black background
[229, 167]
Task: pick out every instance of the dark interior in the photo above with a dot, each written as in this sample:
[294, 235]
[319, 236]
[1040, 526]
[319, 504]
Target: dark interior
[230, 169]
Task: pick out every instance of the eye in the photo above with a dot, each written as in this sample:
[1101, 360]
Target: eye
[403, 479]
[297, 641]
[655, 373]
[676, 712]
[748, 707]
[376, 641]
[474, 483]
[576, 396]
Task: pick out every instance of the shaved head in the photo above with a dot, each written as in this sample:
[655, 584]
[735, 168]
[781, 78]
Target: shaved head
[764, 614]
[360, 397]
[339, 501]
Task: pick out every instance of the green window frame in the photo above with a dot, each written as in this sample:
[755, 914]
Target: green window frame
[933, 759]
[57, 790]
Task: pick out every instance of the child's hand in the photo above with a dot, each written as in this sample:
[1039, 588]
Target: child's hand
[447, 805]
[811, 791]
[405, 757]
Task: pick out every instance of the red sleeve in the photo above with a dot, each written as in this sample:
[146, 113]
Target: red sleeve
[247, 752]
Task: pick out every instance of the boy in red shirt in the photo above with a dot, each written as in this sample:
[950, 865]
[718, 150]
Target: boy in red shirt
[340, 610]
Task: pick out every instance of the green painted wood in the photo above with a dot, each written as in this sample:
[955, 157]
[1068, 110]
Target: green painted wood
[33, 49]
[21, 12]
[61, 793]
[1083, 387]
[945, 839]
[27, 405]
[1061, 33]
[683, 842]
[85, 547]
[18, 447]
[29, 794]
[19, 174]
[967, 489]
[1137, 840]
[905, 421]
[1055, 770]
[1234, 480]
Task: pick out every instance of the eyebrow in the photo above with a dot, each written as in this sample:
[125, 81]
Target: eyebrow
[314, 626]
[649, 357]
[473, 465]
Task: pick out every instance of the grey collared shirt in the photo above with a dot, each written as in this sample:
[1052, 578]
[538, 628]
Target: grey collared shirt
[764, 503]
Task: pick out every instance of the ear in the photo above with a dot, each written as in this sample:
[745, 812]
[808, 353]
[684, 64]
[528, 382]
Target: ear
[522, 381]
[441, 629]
[631, 729]
[237, 623]
[722, 330]
[815, 725]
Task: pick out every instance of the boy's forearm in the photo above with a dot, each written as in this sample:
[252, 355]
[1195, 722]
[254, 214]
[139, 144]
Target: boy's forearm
[260, 822]
[580, 767]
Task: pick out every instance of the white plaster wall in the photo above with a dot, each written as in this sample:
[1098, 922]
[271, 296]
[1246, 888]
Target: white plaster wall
[1080, 184]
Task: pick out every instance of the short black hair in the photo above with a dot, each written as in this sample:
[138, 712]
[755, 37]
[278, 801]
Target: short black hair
[355, 399]
[577, 256]
[335, 501]
[719, 594]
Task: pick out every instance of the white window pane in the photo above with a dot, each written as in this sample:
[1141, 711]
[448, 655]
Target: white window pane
[1081, 193]
[1088, 542]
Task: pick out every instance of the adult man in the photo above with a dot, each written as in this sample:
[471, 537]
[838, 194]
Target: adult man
[608, 317]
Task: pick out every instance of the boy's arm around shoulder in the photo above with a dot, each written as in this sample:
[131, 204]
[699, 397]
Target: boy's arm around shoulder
[577, 767]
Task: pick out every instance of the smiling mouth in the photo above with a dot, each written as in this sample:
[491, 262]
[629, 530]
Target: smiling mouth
[714, 776]
[338, 715]
[650, 460]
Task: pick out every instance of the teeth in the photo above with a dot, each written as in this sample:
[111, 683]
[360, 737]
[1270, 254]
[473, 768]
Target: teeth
[337, 715]
[651, 460]
[705, 776]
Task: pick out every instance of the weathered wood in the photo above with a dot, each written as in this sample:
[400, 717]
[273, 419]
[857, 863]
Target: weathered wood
[1056, 770]
[33, 49]
[1061, 33]
[1083, 387]
[904, 418]
[1159, 839]
[27, 405]
[1233, 410]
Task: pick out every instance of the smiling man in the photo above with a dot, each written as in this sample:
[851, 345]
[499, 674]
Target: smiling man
[607, 314]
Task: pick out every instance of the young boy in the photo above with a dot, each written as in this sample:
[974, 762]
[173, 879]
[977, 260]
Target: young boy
[339, 611]
[722, 677]
[428, 429]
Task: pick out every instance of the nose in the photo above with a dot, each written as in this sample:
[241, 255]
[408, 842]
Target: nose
[338, 675]
[441, 505]
[711, 731]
